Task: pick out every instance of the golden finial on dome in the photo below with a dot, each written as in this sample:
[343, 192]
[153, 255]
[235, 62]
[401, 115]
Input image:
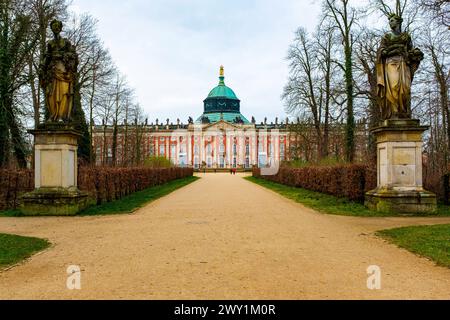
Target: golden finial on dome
[222, 71]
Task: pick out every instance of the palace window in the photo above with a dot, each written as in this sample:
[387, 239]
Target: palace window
[247, 149]
[152, 150]
[196, 163]
[162, 150]
[234, 149]
[247, 162]
[183, 160]
[260, 147]
[282, 152]
[262, 160]
[173, 151]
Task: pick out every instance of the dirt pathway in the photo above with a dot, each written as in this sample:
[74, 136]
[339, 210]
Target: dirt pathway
[220, 238]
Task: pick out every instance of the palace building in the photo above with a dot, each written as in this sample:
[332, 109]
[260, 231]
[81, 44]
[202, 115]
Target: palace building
[221, 138]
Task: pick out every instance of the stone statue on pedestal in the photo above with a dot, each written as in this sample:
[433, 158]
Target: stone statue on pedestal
[56, 141]
[58, 73]
[399, 137]
[397, 62]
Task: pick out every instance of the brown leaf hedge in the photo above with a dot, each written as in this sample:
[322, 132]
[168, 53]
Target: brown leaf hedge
[104, 184]
[348, 181]
[14, 183]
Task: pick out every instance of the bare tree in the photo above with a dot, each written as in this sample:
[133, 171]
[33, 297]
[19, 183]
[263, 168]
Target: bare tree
[365, 71]
[120, 93]
[138, 134]
[436, 83]
[96, 67]
[308, 92]
[438, 10]
[104, 111]
[326, 44]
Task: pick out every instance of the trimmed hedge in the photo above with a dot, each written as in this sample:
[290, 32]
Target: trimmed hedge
[437, 182]
[347, 181]
[13, 184]
[103, 184]
[109, 184]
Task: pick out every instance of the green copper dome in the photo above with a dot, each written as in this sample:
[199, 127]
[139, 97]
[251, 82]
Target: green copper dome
[222, 98]
[222, 91]
[222, 104]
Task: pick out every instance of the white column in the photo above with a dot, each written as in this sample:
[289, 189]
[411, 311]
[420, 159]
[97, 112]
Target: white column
[254, 148]
[189, 148]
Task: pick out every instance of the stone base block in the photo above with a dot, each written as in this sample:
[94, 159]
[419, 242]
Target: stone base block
[404, 202]
[55, 202]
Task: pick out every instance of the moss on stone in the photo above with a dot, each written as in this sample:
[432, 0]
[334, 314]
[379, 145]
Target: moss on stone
[55, 202]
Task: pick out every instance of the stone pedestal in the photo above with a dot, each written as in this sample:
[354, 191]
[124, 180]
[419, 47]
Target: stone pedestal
[56, 191]
[399, 166]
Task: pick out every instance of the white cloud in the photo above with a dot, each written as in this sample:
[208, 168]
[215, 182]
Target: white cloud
[171, 50]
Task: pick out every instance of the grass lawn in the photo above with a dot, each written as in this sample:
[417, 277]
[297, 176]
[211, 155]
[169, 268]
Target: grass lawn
[330, 204]
[10, 213]
[127, 204]
[14, 249]
[432, 242]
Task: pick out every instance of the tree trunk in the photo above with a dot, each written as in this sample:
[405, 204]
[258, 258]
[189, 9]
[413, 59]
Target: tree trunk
[91, 117]
[350, 125]
[443, 97]
[114, 144]
[326, 129]
[17, 141]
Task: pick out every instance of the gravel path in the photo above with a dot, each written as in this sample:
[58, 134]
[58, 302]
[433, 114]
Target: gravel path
[221, 237]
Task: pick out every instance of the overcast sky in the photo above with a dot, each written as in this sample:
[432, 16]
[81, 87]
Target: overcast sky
[171, 50]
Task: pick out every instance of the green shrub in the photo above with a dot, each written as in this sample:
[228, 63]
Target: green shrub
[299, 163]
[157, 162]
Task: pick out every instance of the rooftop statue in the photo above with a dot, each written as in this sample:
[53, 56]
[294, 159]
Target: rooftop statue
[397, 62]
[58, 73]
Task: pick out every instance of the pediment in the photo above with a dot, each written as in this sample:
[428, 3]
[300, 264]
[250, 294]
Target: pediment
[222, 125]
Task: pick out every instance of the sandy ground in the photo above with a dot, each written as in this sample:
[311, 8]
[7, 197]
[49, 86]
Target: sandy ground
[220, 238]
